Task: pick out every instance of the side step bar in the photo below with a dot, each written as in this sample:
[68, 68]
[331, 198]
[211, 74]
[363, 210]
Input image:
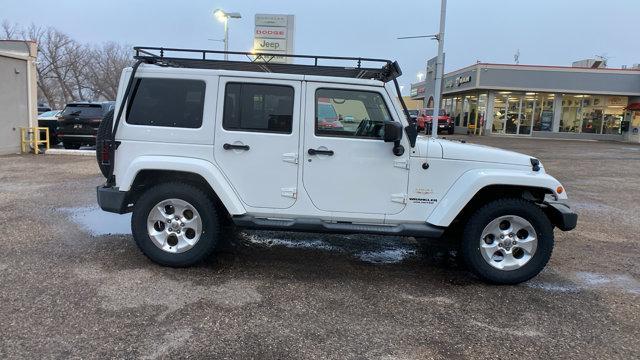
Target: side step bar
[316, 225]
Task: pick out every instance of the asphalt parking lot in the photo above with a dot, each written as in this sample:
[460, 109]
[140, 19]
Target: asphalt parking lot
[74, 285]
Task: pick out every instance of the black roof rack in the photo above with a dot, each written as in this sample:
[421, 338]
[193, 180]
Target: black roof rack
[387, 70]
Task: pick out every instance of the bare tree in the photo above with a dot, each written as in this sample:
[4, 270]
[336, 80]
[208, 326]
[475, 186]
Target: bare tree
[9, 30]
[69, 71]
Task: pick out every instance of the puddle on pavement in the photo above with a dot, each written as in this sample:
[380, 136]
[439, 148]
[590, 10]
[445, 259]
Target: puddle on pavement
[380, 250]
[375, 251]
[97, 222]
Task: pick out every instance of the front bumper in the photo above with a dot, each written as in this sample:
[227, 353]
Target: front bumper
[561, 215]
[112, 200]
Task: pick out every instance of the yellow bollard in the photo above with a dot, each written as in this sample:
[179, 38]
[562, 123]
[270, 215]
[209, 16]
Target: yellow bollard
[35, 140]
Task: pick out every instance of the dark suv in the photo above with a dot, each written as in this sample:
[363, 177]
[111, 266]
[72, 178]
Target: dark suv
[78, 123]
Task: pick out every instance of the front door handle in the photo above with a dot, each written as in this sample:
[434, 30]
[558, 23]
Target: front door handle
[320, 152]
[235, 147]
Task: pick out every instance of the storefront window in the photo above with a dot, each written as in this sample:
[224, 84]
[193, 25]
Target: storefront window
[482, 109]
[543, 115]
[457, 109]
[499, 112]
[592, 114]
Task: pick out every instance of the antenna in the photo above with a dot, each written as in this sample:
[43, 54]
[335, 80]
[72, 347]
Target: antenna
[516, 57]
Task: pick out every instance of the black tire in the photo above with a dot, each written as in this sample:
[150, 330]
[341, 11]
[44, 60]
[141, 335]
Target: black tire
[198, 199]
[104, 131]
[71, 145]
[450, 131]
[470, 246]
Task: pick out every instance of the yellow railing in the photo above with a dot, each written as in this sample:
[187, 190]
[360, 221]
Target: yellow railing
[33, 140]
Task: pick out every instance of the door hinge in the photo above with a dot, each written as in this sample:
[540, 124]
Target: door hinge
[399, 198]
[290, 158]
[402, 164]
[289, 192]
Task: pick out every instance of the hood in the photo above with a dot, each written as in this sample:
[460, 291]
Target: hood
[456, 150]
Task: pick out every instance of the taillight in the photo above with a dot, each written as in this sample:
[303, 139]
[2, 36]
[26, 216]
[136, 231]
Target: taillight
[105, 154]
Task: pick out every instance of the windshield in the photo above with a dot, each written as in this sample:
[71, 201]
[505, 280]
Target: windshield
[49, 114]
[327, 112]
[429, 112]
[83, 110]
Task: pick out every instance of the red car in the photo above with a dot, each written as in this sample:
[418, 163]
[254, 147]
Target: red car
[327, 116]
[445, 123]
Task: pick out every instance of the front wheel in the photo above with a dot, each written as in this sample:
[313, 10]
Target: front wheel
[507, 241]
[175, 224]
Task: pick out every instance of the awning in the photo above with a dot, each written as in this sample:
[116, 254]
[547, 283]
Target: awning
[633, 107]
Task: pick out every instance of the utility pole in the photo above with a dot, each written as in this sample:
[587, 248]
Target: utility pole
[439, 68]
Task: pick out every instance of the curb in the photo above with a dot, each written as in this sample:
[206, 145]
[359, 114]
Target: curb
[70, 152]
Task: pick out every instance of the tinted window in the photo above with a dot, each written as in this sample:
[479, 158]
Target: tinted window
[256, 107]
[429, 112]
[350, 113]
[83, 110]
[167, 102]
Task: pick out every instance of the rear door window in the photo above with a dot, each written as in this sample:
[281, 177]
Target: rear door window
[167, 102]
[258, 107]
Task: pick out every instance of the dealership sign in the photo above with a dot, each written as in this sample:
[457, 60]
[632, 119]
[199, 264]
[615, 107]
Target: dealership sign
[458, 81]
[274, 34]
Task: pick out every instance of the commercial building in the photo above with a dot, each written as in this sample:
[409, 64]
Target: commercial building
[18, 92]
[541, 101]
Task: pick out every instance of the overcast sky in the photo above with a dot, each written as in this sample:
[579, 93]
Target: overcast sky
[547, 32]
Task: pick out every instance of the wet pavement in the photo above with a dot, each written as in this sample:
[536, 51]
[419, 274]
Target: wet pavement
[74, 285]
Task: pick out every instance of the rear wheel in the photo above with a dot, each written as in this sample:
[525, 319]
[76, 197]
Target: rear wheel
[507, 241]
[175, 224]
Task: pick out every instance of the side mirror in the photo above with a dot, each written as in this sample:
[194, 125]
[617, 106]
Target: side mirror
[392, 131]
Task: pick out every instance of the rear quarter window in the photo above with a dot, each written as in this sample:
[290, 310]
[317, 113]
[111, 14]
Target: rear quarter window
[167, 102]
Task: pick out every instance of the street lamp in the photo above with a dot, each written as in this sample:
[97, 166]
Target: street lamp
[224, 17]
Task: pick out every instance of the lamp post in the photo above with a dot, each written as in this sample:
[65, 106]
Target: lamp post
[224, 17]
[439, 67]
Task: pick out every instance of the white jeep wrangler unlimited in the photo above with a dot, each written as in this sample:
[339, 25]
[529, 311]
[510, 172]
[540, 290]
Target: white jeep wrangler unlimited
[196, 143]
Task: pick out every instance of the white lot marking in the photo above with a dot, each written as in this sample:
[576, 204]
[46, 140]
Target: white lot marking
[141, 287]
[173, 339]
[622, 282]
[386, 256]
[439, 300]
[553, 287]
[300, 244]
[97, 222]
[516, 332]
[591, 281]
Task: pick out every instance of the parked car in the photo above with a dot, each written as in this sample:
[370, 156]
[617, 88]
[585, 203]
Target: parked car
[49, 119]
[185, 166]
[414, 115]
[445, 123]
[78, 123]
[328, 118]
[42, 109]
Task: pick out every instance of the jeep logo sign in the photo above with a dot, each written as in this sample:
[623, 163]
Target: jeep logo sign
[457, 81]
[274, 34]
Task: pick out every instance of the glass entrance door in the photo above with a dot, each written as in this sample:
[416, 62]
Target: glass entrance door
[512, 117]
[529, 104]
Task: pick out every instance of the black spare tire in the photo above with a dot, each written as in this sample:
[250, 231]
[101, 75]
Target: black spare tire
[104, 132]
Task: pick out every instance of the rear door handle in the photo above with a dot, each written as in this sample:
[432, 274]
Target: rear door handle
[227, 146]
[320, 152]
